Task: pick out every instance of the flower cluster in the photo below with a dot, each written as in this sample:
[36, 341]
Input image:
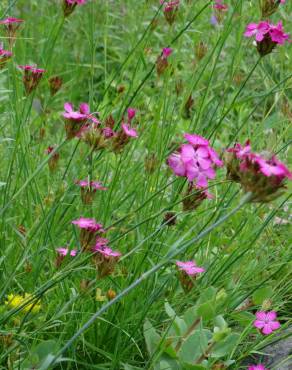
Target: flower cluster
[11, 26]
[62, 253]
[266, 322]
[88, 190]
[196, 161]
[31, 78]
[219, 10]
[188, 272]
[105, 258]
[5, 55]
[170, 9]
[89, 231]
[16, 300]
[162, 60]
[96, 134]
[69, 6]
[262, 174]
[267, 35]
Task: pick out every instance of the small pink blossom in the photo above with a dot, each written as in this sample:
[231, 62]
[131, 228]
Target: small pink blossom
[11, 20]
[266, 322]
[107, 252]
[5, 53]
[166, 52]
[241, 151]
[257, 30]
[196, 140]
[220, 6]
[257, 367]
[93, 185]
[277, 34]
[131, 114]
[78, 2]
[189, 267]
[64, 251]
[264, 30]
[88, 224]
[131, 132]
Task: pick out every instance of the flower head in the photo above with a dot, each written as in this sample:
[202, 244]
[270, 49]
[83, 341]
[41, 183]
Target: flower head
[266, 322]
[5, 55]
[189, 267]
[106, 251]
[32, 76]
[166, 52]
[64, 252]
[69, 6]
[88, 224]
[131, 114]
[262, 174]
[170, 9]
[257, 367]
[15, 301]
[220, 6]
[131, 132]
[267, 35]
[92, 185]
[196, 161]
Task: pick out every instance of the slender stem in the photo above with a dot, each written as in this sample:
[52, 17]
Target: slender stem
[148, 273]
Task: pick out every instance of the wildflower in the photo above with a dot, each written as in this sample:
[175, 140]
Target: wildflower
[111, 294]
[219, 9]
[188, 271]
[162, 60]
[131, 114]
[89, 230]
[269, 7]
[262, 174]
[15, 301]
[266, 322]
[189, 267]
[170, 10]
[194, 197]
[196, 161]
[267, 36]
[122, 137]
[105, 258]
[11, 26]
[55, 84]
[77, 122]
[62, 253]
[5, 55]
[31, 78]
[54, 158]
[257, 367]
[69, 6]
[88, 190]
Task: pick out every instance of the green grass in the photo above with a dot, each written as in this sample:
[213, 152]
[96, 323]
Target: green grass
[237, 95]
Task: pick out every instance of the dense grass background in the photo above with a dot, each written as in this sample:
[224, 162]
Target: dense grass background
[102, 46]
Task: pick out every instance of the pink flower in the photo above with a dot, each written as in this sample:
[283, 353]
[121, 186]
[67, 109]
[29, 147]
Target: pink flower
[78, 2]
[93, 185]
[166, 52]
[277, 34]
[32, 77]
[189, 267]
[5, 53]
[69, 6]
[257, 367]
[257, 30]
[107, 252]
[71, 114]
[88, 224]
[131, 132]
[64, 251]
[196, 140]
[272, 167]
[195, 161]
[101, 242]
[219, 6]
[266, 322]
[240, 151]
[131, 114]
[11, 21]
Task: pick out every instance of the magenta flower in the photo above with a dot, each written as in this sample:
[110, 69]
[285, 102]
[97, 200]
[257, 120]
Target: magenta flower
[189, 267]
[69, 6]
[11, 26]
[94, 185]
[9, 21]
[166, 52]
[131, 132]
[267, 35]
[170, 9]
[107, 252]
[88, 224]
[266, 322]
[196, 161]
[32, 76]
[263, 175]
[131, 114]
[5, 55]
[64, 251]
[220, 6]
[257, 367]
